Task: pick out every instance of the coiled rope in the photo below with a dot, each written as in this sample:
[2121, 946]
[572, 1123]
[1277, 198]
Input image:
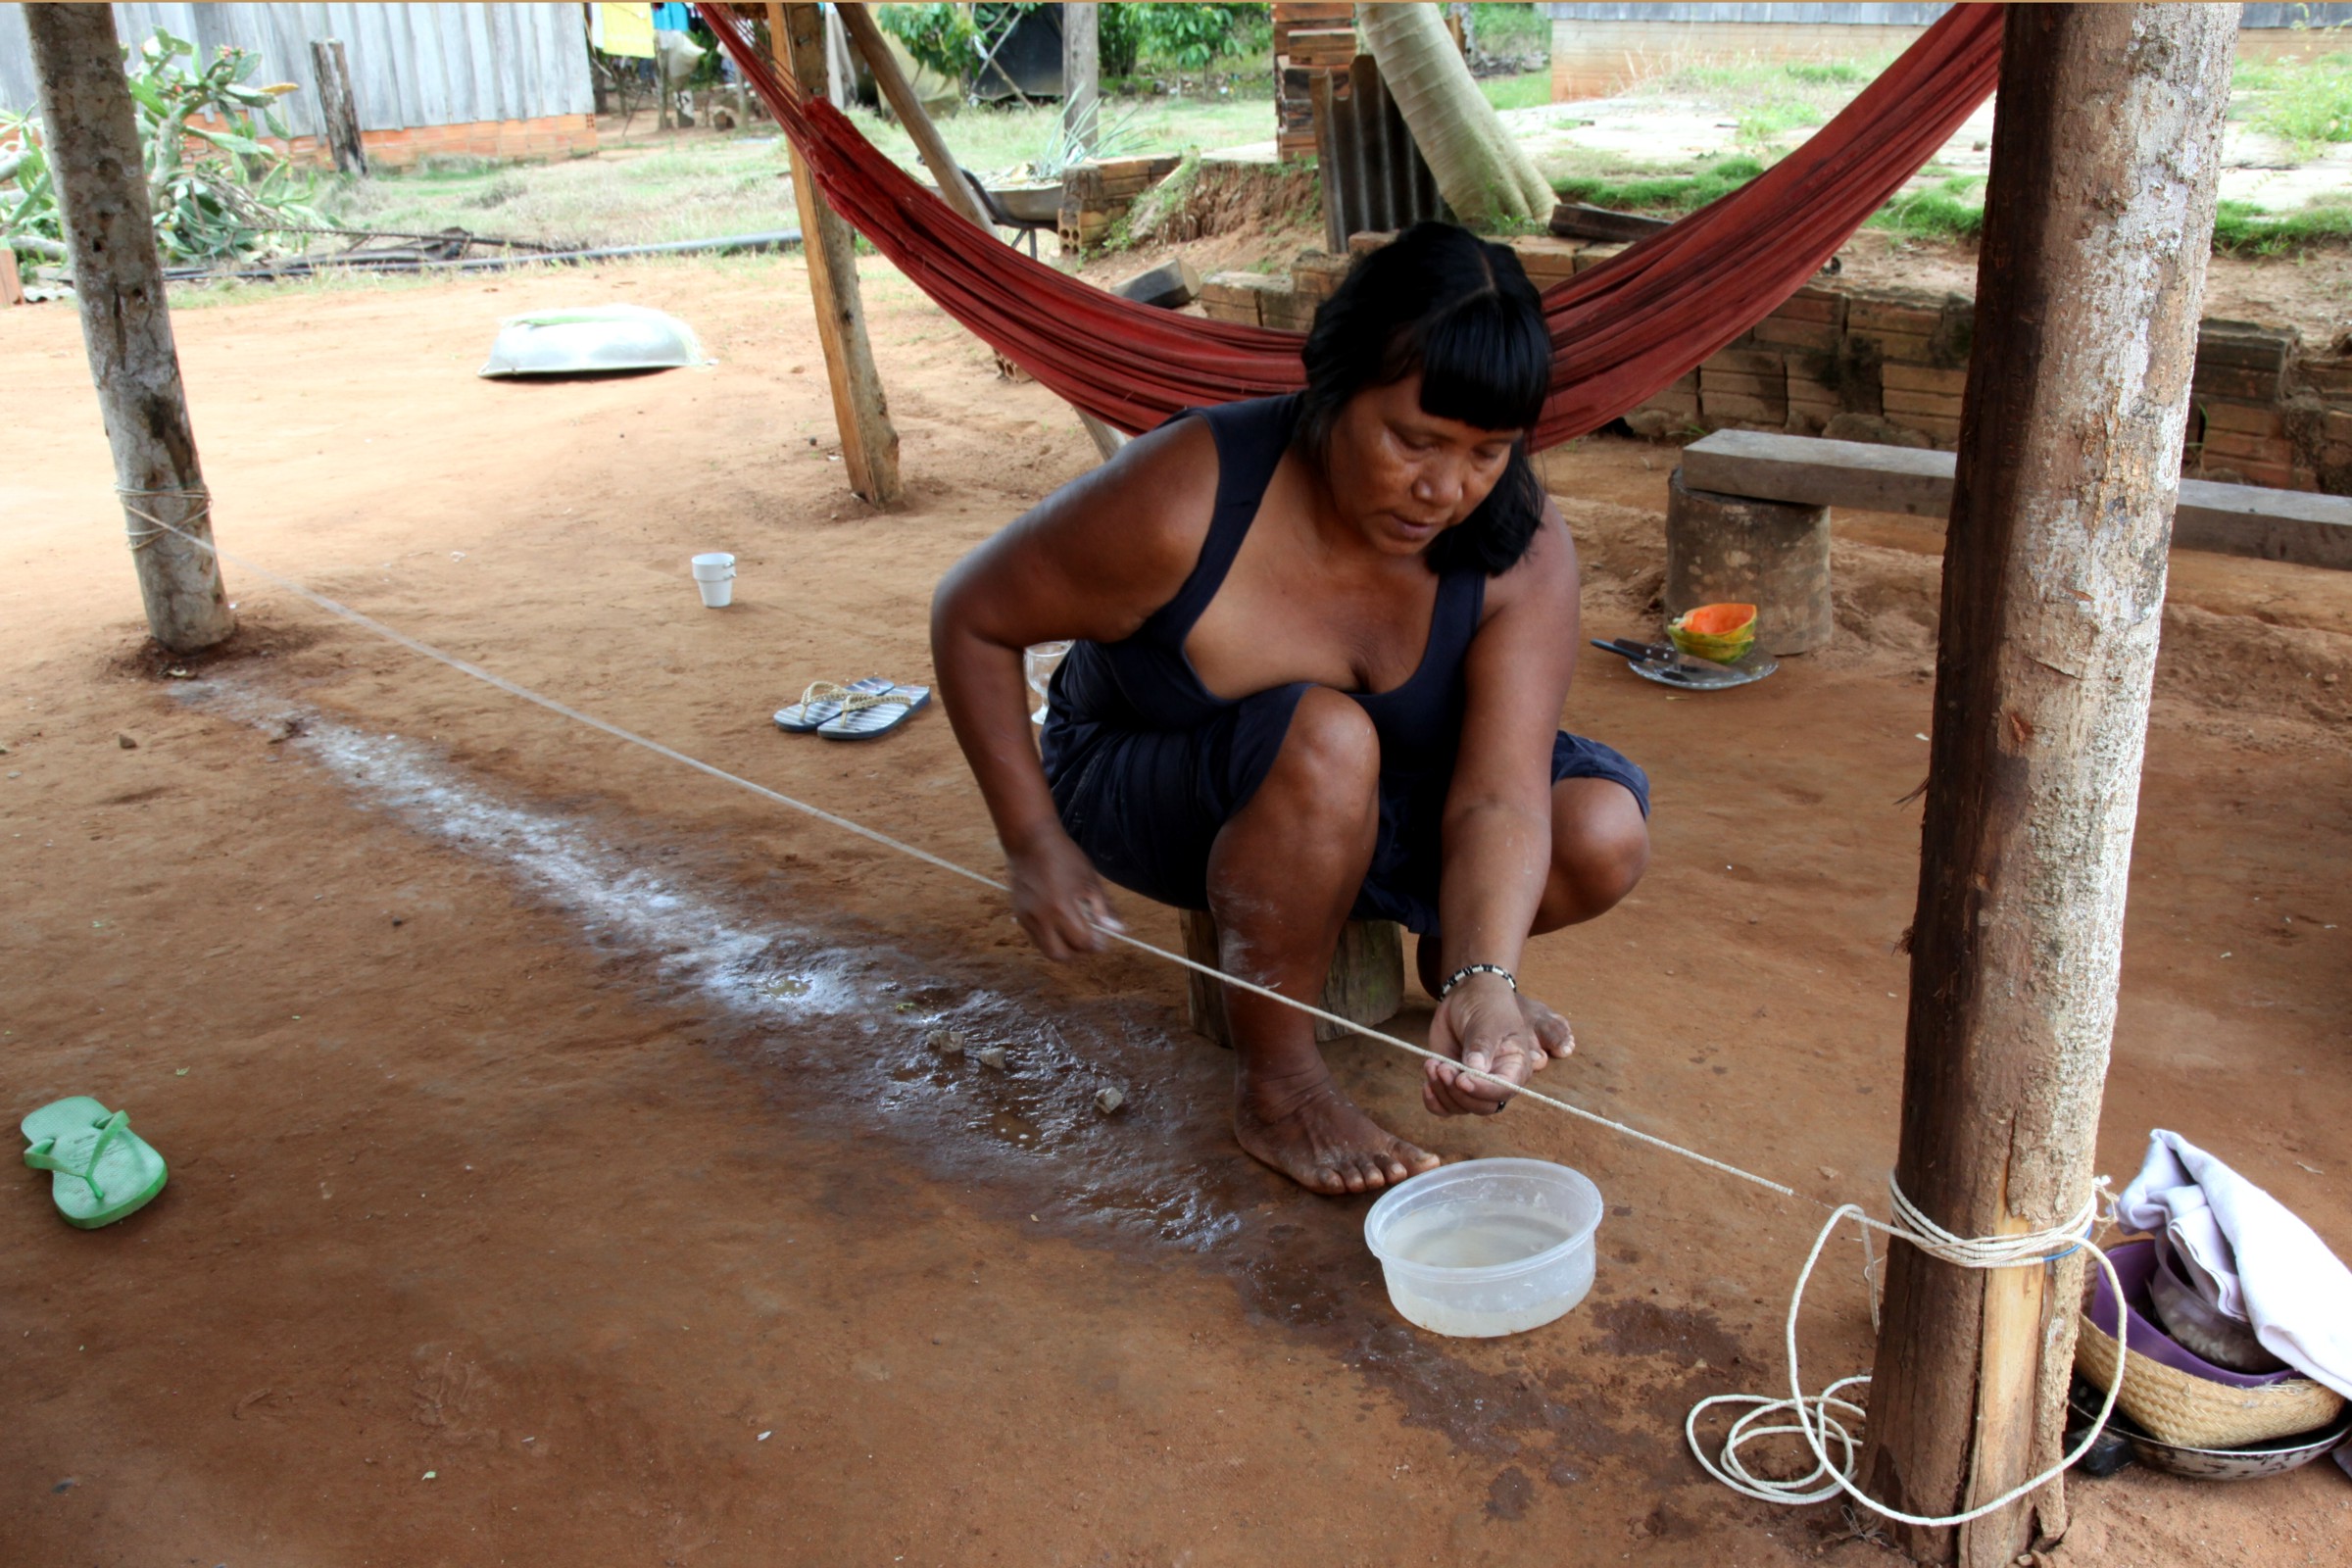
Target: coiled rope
[1811, 1414]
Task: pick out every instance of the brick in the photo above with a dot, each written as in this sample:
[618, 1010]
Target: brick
[1683, 403]
[1592, 256]
[1812, 305]
[2235, 381]
[2254, 418]
[1909, 408]
[1798, 334]
[1745, 410]
[1321, 48]
[1874, 316]
[1287, 309]
[1897, 348]
[1241, 314]
[2339, 425]
[1746, 361]
[2269, 476]
[2244, 345]
[1921, 379]
[2239, 444]
[1732, 382]
[2329, 377]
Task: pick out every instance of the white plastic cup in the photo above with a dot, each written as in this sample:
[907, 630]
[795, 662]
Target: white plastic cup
[1038, 664]
[715, 575]
[1488, 1247]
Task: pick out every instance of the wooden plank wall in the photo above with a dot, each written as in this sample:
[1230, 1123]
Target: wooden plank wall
[412, 66]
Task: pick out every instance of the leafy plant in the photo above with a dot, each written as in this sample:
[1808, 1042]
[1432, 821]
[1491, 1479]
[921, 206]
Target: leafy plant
[938, 37]
[1194, 37]
[218, 193]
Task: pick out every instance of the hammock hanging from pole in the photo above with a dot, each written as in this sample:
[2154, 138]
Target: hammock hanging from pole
[1620, 333]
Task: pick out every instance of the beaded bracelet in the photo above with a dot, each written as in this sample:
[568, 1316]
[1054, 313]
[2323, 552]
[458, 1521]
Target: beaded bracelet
[1469, 969]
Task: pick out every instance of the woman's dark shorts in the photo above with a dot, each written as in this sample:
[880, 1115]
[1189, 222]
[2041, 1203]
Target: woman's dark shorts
[1146, 805]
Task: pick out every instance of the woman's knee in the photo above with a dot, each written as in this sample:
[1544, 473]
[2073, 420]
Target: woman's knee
[1600, 847]
[1330, 756]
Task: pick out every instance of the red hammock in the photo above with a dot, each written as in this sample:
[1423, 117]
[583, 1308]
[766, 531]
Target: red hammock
[1620, 332]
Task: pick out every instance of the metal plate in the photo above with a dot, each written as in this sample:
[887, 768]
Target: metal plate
[2250, 1463]
[592, 340]
[1701, 675]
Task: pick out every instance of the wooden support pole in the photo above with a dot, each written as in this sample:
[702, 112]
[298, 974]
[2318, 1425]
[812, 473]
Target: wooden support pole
[900, 94]
[338, 111]
[2098, 219]
[1080, 74]
[92, 138]
[869, 445]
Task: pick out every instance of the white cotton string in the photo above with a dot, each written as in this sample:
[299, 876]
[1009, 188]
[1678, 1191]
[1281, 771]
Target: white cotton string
[872, 835]
[140, 539]
[1811, 1414]
[1817, 1417]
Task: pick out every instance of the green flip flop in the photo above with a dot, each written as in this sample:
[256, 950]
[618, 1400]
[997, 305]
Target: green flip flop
[102, 1169]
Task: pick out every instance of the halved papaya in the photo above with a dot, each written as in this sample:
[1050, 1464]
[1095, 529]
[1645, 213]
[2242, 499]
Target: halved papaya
[1721, 633]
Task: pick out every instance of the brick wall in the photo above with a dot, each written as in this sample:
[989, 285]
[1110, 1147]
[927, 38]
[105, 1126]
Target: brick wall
[1890, 365]
[1097, 195]
[1307, 39]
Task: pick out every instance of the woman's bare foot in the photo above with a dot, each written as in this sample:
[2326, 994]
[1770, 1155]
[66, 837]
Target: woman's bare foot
[1314, 1135]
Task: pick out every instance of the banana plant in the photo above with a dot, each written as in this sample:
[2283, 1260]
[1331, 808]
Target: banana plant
[218, 192]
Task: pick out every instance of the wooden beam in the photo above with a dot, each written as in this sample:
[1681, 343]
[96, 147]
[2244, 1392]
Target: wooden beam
[338, 112]
[92, 137]
[946, 173]
[2301, 526]
[2098, 221]
[869, 444]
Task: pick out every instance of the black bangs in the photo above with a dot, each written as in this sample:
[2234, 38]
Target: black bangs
[1485, 363]
[1460, 311]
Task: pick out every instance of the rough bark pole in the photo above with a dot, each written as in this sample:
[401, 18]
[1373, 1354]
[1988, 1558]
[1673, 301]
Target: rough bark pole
[945, 172]
[2098, 221]
[338, 111]
[92, 139]
[869, 444]
[1081, 73]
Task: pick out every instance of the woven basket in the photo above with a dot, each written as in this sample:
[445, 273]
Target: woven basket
[2196, 1412]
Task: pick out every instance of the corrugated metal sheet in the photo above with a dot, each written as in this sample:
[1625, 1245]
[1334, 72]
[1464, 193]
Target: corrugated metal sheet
[1372, 172]
[411, 65]
[1890, 16]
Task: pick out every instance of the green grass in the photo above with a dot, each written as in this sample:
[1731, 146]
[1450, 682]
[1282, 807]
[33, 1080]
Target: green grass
[653, 187]
[2306, 103]
[1525, 90]
[1952, 209]
[2240, 228]
[1665, 193]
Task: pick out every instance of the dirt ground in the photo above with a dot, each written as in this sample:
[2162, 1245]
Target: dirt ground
[559, 1171]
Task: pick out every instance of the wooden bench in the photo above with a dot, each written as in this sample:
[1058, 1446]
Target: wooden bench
[2230, 519]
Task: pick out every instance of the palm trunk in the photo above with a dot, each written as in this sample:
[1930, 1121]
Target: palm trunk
[1480, 170]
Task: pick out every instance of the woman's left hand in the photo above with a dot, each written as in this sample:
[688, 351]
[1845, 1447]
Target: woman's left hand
[1481, 1024]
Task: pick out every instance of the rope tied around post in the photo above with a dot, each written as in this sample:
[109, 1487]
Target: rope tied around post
[141, 538]
[1810, 1415]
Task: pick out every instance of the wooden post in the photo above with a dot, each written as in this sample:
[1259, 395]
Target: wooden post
[11, 287]
[2106, 147]
[92, 139]
[338, 112]
[869, 445]
[957, 191]
[1081, 73]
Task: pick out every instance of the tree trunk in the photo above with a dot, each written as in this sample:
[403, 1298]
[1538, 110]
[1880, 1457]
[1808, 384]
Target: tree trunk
[1080, 74]
[338, 112]
[2098, 219]
[92, 137]
[1480, 170]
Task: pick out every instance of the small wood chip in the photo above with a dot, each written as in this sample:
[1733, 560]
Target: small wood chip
[126, 741]
[1107, 1100]
[992, 1055]
[947, 1041]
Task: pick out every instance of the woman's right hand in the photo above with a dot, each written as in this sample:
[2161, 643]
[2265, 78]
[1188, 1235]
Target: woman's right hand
[1058, 898]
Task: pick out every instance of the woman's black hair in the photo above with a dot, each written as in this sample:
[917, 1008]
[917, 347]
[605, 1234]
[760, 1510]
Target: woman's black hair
[1460, 311]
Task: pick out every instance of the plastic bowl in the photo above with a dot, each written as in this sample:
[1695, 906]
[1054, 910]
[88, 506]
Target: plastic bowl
[1486, 1248]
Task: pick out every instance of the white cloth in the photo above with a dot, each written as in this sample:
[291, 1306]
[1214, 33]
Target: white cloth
[2247, 1253]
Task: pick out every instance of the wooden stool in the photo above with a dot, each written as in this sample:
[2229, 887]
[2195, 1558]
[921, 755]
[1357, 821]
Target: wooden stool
[1773, 554]
[1366, 982]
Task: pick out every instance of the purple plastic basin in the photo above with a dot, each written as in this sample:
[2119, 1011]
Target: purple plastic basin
[2134, 1263]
